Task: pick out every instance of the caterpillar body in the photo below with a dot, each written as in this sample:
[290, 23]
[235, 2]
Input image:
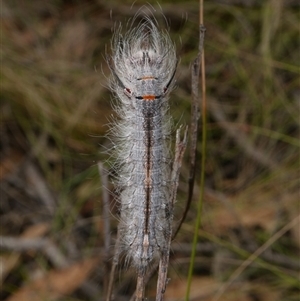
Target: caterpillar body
[143, 65]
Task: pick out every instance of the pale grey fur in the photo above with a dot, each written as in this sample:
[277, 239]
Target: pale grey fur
[143, 64]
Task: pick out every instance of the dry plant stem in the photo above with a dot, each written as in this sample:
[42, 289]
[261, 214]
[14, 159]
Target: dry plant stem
[164, 261]
[195, 72]
[195, 112]
[113, 268]
[140, 286]
[147, 277]
[106, 211]
[106, 220]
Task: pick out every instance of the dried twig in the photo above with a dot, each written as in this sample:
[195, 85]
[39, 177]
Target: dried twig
[147, 277]
[195, 111]
[106, 221]
[113, 268]
[140, 286]
[164, 261]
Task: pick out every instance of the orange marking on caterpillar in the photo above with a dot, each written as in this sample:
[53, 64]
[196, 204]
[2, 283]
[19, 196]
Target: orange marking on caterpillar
[148, 77]
[149, 97]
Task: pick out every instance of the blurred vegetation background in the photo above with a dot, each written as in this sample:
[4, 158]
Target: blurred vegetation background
[55, 109]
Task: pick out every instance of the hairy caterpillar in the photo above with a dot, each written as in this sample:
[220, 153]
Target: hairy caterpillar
[143, 65]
